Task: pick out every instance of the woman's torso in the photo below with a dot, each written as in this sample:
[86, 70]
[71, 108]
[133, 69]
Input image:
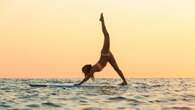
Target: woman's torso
[104, 58]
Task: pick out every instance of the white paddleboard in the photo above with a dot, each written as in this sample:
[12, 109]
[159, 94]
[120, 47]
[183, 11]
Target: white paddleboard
[65, 85]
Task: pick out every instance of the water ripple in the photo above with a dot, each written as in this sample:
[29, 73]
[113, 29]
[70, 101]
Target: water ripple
[140, 94]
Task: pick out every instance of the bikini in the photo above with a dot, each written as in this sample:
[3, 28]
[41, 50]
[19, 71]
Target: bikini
[103, 54]
[99, 65]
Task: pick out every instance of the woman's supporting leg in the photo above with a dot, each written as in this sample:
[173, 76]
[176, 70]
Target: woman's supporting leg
[114, 64]
[106, 46]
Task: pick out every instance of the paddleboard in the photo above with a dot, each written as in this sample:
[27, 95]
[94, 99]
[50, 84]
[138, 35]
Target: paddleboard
[65, 85]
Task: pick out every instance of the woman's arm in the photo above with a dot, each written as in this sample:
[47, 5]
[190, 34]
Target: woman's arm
[87, 77]
[84, 80]
[106, 46]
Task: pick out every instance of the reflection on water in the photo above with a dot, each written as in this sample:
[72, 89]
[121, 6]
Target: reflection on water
[140, 94]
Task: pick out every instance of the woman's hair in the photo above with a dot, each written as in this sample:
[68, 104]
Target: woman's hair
[86, 69]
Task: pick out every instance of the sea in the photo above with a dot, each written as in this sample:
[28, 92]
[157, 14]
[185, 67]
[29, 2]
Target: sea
[139, 94]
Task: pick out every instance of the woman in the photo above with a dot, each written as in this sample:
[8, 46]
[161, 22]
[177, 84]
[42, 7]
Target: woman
[106, 56]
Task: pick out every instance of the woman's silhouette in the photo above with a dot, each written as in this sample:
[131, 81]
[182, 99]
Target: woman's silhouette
[106, 56]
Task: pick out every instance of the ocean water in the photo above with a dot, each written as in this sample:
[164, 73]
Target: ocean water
[140, 94]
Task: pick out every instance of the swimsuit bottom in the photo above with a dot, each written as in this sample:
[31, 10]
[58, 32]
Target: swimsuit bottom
[106, 54]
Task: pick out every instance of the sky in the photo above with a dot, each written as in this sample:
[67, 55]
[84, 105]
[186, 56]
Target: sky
[55, 38]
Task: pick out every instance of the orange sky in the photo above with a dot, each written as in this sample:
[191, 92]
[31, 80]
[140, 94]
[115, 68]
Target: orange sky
[47, 38]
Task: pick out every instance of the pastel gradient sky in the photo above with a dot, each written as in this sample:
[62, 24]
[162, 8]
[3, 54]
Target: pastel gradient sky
[55, 38]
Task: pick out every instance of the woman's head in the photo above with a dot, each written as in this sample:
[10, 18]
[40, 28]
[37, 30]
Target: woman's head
[86, 69]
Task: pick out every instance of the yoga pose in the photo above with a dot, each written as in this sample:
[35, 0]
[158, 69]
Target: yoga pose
[106, 56]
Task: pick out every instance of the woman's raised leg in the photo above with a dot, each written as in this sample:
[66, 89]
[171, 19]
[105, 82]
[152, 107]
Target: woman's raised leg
[106, 46]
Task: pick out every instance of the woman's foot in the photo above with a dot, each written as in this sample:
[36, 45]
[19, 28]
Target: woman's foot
[123, 83]
[101, 17]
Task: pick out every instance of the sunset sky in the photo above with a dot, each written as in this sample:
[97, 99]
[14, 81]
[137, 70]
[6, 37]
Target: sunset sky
[55, 38]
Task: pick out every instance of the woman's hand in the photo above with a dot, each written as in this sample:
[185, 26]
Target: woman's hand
[77, 84]
[84, 80]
